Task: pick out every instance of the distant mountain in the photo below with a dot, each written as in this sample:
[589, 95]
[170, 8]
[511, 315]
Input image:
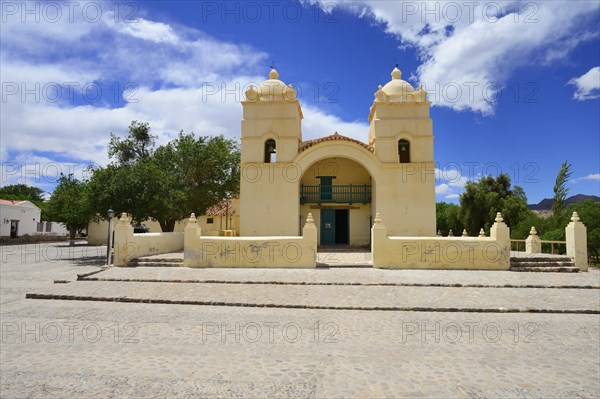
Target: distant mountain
[546, 203]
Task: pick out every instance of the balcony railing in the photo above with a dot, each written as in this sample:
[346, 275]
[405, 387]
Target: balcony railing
[337, 193]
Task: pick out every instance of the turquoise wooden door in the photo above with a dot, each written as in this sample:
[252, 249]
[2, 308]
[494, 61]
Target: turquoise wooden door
[326, 188]
[327, 226]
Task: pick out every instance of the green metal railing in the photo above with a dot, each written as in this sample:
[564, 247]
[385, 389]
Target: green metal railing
[336, 193]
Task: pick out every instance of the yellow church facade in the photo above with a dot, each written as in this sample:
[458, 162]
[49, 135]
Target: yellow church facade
[342, 182]
[297, 196]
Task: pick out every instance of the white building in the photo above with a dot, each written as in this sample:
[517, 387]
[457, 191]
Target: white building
[18, 218]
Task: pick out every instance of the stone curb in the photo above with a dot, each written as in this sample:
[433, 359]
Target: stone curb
[445, 285]
[282, 306]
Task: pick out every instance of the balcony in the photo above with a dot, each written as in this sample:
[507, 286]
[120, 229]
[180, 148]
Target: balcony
[335, 194]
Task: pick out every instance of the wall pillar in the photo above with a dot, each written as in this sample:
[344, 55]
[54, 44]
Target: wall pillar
[501, 234]
[309, 234]
[533, 244]
[576, 235]
[191, 233]
[378, 237]
[124, 247]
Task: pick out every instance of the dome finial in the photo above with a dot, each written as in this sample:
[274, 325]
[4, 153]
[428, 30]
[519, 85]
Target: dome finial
[396, 73]
[273, 74]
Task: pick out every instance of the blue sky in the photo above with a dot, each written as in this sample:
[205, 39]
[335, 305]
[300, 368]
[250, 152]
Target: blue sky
[515, 86]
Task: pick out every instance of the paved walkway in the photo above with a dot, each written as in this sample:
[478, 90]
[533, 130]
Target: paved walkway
[348, 258]
[363, 276]
[95, 349]
[332, 259]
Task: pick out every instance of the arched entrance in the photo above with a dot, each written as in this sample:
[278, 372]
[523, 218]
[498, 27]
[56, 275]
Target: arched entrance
[338, 189]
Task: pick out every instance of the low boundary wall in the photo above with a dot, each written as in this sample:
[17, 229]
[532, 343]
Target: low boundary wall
[284, 252]
[129, 246]
[476, 253]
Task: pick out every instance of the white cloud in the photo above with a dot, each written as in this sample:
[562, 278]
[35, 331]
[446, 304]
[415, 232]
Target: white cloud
[442, 189]
[39, 171]
[452, 176]
[587, 85]
[591, 177]
[317, 123]
[156, 32]
[451, 181]
[180, 78]
[470, 49]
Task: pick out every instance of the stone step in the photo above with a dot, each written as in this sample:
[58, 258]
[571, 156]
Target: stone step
[546, 269]
[542, 264]
[157, 262]
[519, 259]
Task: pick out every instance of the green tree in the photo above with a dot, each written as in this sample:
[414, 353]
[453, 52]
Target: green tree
[447, 218]
[22, 192]
[529, 220]
[138, 144]
[69, 204]
[482, 199]
[561, 190]
[189, 174]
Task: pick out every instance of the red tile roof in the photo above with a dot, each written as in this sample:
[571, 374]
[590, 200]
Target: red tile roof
[10, 202]
[336, 136]
[221, 209]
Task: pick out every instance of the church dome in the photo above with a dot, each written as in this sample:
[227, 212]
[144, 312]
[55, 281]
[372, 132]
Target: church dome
[273, 88]
[397, 89]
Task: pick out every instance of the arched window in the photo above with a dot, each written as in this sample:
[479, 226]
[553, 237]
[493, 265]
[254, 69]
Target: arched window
[270, 151]
[404, 151]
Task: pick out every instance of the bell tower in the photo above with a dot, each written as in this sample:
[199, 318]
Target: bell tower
[401, 129]
[401, 132]
[271, 124]
[271, 136]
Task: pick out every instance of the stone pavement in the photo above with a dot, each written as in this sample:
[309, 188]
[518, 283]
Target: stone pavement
[59, 348]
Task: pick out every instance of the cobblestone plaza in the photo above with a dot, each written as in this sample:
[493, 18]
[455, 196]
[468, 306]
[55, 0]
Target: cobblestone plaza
[328, 332]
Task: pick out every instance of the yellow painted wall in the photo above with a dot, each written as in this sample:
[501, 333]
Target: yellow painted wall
[130, 246]
[279, 251]
[269, 200]
[480, 253]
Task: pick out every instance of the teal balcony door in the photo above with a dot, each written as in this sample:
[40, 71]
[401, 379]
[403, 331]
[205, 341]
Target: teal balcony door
[326, 187]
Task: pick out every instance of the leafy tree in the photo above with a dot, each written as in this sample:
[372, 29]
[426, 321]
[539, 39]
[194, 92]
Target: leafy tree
[561, 190]
[447, 218]
[137, 145]
[69, 204]
[186, 175]
[22, 192]
[531, 219]
[482, 199]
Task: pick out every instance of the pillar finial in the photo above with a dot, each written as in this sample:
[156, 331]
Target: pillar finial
[309, 218]
[499, 218]
[378, 218]
[482, 232]
[464, 233]
[575, 217]
[124, 218]
[533, 231]
[192, 218]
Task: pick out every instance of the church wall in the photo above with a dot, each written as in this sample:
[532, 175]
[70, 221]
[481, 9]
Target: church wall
[405, 193]
[269, 200]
